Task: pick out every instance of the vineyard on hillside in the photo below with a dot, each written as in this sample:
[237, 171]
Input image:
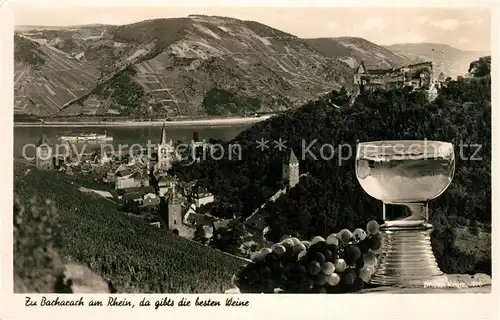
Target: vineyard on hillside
[133, 255]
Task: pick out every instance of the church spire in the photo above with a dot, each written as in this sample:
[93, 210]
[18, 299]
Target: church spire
[43, 138]
[163, 134]
[293, 158]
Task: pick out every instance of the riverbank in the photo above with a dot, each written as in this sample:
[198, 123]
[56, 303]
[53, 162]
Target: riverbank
[148, 123]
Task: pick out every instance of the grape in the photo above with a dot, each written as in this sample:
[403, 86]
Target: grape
[365, 274]
[295, 240]
[301, 270]
[235, 281]
[271, 258]
[253, 277]
[345, 236]
[360, 262]
[268, 286]
[364, 245]
[320, 290]
[328, 268]
[289, 270]
[318, 256]
[320, 279]
[306, 284]
[279, 250]
[329, 256]
[265, 251]
[375, 243]
[372, 227]
[370, 259]
[288, 244]
[333, 249]
[348, 277]
[357, 285]
[332, 239]
[340, 265]
[370, 269]
[299, 247]
[280, 280]
[309, 267]
[316, 240]
[290, 286]
[302, 256]
[352, 253]
[333, 279]
[256, 257]
[266, 272]
[313, 267]
[307, 244]
[320, 247]
[359, 234]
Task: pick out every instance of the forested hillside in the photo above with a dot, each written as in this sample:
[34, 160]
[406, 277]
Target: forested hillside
[330, 197]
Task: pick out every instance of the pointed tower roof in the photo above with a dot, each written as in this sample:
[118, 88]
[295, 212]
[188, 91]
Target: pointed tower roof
[293, 158]
[43, 140]
[441, 76]
[361, 67]
[163, 134]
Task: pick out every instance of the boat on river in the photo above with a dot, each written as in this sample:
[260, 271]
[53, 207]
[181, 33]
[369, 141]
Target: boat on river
[87, 137]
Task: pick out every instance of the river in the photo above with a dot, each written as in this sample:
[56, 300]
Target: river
[27, 136]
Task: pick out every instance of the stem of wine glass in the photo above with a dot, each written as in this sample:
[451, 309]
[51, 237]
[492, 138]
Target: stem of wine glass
[419, 211]
[408, 213]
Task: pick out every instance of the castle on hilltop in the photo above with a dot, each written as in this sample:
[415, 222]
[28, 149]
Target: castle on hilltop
[419, 75]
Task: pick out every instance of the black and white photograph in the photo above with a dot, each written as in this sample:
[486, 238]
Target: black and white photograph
[248, 150]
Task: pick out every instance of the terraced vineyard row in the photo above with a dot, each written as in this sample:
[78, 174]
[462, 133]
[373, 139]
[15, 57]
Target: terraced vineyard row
[135, 256]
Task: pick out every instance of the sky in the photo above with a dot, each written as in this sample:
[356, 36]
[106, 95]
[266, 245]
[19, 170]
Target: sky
[462, 28]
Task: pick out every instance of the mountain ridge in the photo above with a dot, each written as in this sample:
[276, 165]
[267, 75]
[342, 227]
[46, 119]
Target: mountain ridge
[202, 65]
[186, 66]
[456, 61]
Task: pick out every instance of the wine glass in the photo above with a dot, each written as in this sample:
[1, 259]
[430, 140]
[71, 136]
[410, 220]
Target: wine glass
[407, 174]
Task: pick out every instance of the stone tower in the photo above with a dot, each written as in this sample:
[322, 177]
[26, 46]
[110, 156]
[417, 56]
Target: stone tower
[43, 157]
[164, 151]
[174, 211]
[291, 170]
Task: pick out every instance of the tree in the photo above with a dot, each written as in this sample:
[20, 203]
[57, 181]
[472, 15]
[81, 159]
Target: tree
[199, 235]
[474, 227]
[230, 238]
[481, 67]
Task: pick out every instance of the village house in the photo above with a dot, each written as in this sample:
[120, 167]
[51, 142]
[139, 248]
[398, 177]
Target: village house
[109, 177]
[201, 196]
[104, 158]
[135, 179]
[142, 190]
[85, 168]
[186, 187]
[165, 184]
[132, 197]
[151, 199]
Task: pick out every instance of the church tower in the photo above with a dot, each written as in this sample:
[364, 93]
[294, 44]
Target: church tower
[164, 152]
[291, 172]
[174, 211]
[43, 157]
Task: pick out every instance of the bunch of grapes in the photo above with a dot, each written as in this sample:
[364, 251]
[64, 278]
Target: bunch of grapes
[343, 262]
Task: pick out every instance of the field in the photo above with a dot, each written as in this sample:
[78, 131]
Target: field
[133, 255]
